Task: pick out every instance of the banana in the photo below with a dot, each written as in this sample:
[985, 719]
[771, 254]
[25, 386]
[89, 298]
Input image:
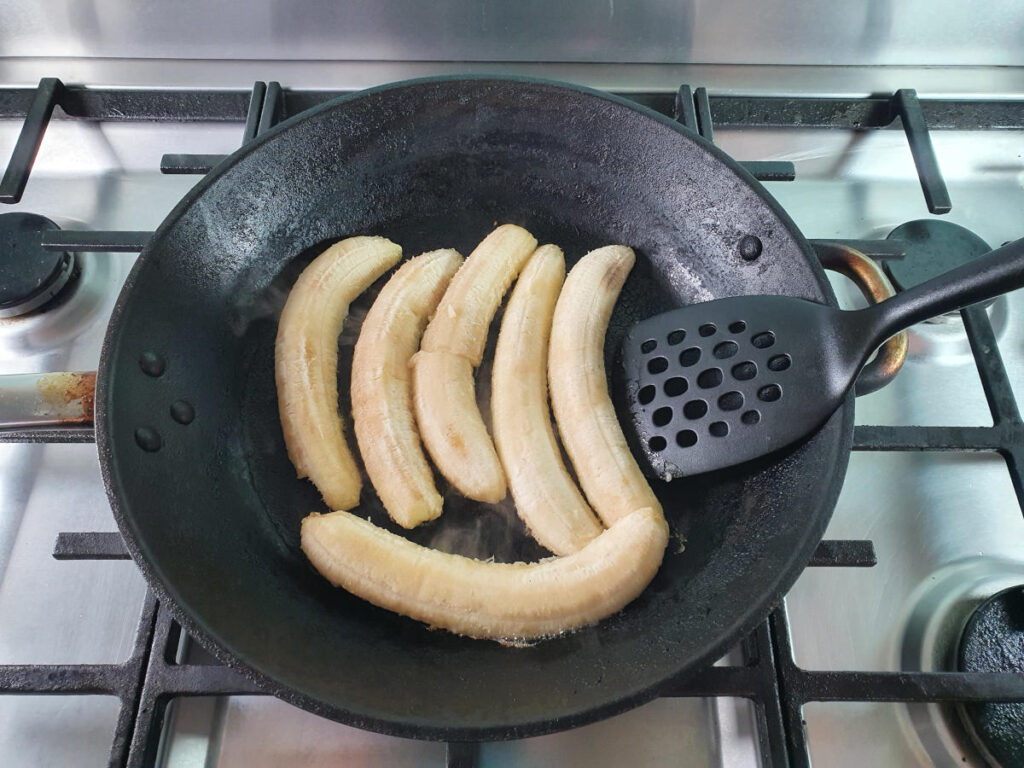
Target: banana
[450, 423]
[546, 497]
[586, 419]
[502, 601]
[306, 362]
[473, 296]
[382, 389]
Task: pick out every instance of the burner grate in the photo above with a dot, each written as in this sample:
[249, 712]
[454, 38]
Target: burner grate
[768, 674]
[148, 681]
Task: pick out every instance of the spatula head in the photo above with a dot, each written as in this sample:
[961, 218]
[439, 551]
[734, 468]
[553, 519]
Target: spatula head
[716, 384]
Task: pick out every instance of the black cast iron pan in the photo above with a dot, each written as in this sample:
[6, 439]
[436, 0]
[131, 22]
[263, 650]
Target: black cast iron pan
[211, 509]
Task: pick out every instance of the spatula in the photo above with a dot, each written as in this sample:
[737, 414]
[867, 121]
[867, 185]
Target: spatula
[716, 384]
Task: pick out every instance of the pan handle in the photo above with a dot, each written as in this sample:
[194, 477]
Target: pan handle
[47, 400]
[875, 286]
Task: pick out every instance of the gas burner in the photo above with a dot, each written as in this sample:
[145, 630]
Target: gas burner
[91, 286]
[993, 641]
[959, 611]
[933, 247]
[29, 275]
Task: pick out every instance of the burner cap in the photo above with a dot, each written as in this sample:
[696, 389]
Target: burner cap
[29, 275]
[933, 246]
[993, 641]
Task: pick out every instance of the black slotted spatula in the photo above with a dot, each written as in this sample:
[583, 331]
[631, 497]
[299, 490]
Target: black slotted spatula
[716, 384]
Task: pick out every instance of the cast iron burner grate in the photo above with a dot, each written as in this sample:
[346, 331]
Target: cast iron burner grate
[768, 675]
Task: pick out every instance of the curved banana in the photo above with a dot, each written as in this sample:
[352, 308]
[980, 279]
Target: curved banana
[382, 389]
[306, 362]
[450, 423]
[583, 408]
[502, 601]
[464, 315]
[546, 497]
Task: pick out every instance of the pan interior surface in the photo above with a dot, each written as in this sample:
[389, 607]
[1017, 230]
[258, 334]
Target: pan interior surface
[212, 515]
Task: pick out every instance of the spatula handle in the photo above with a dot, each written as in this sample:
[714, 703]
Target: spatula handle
[985, 277]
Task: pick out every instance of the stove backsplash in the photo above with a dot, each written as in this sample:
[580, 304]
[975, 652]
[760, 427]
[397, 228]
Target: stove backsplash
[876, 32]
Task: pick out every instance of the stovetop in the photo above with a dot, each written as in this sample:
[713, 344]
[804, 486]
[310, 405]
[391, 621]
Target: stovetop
[929, 517]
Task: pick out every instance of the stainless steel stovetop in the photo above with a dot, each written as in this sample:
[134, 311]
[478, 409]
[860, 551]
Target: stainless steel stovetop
[947, 527]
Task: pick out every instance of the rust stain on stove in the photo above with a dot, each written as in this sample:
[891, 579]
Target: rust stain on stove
[71, 396]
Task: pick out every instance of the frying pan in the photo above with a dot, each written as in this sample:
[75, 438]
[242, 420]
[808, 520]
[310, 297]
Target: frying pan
[191, 447]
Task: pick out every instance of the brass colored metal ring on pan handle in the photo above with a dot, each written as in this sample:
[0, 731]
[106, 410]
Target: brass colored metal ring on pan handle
[875, 286]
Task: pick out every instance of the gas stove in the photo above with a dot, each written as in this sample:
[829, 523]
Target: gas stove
[894, 648]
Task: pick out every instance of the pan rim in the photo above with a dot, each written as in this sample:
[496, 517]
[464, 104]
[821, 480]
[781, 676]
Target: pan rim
[412, 727]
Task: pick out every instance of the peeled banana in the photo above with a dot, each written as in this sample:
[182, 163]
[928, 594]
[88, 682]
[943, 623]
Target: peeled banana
[546, 497]
[306, 362]
[464, 315]
[586, 419]
[444, 393]
[451, 425]
[504, 601]
[389, 441]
